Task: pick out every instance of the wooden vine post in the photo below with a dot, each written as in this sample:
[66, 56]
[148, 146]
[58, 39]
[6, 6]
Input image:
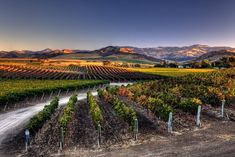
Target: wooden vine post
[222, 107]
[198, 122]
[169, 129]
[136, 129]
[99, 135]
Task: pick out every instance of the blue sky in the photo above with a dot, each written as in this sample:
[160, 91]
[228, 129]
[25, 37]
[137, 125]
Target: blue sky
[91, 24]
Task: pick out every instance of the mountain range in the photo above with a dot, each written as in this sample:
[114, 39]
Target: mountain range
[184, 53]
[128, 53]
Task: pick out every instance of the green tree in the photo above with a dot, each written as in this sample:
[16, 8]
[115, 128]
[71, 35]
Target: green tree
[205, 64]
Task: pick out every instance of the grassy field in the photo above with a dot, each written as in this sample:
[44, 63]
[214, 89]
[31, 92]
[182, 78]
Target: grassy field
[171, 71]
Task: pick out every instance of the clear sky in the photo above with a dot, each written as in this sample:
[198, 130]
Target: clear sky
[91, 24]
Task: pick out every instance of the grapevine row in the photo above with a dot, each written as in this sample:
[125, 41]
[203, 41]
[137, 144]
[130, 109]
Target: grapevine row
[73, 72]
[94, 109]
[68, 112]
[38, 120]
[125, 112]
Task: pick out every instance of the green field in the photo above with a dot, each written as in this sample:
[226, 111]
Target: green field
[15, 90]
[171, 71]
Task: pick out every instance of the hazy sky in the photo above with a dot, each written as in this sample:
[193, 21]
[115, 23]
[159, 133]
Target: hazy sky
[91, 24]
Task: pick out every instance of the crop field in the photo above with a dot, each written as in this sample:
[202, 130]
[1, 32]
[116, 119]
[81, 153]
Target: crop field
[35, 72]
[136, 112]
[73, 72]
[171, 71]
[16, 90]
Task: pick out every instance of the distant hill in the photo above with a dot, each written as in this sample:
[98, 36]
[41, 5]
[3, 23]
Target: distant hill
[179, 54]
[184, 53]
[111, 53]
[46, 53]
[216, 55]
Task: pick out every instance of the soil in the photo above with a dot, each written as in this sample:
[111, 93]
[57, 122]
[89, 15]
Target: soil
[213, 138]
[114, 129]
[13, 145]
[47, 139]
[216, 136]
[82, 132]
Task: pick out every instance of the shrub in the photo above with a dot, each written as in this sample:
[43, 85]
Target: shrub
[189, 104]
[112, 90]
[159, 108]
[122, 91]
[214, 96]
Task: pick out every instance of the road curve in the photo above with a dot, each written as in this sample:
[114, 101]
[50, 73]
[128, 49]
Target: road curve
[11, 122]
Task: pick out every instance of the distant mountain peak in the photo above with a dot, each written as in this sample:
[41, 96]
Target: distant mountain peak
[67, 51]
[46, 50]
[199, 45]
[127, 50]
[21, 51]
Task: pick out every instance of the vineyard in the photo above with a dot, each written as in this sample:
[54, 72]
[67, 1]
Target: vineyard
[136, 112]
[36, 72]
[72, 72]
[183, 94]
[171, 71]
[16, 90]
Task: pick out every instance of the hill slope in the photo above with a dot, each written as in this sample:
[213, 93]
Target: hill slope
[216, 55]
[185, 53]
[112, 53]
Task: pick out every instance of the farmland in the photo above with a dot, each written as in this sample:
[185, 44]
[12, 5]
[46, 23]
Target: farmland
[185, 92]
[112, 116]
[73, 72]
[139, 112]
[16, 90]
[171, 71]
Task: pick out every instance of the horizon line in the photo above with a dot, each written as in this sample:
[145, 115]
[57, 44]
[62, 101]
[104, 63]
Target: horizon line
[113, 46]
